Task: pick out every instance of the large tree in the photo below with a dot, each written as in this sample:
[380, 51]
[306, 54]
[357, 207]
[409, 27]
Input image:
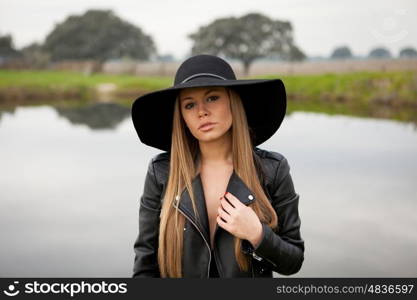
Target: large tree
[97, 35]
[246, 38]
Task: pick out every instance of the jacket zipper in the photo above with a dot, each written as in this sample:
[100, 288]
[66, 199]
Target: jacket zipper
[207, 244]
[259, 258]
[251, 266]
[270, 261]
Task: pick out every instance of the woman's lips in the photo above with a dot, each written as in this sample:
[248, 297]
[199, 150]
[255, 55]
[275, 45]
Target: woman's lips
[207, 127]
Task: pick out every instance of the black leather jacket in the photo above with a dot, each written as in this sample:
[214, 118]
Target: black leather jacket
[282, 251]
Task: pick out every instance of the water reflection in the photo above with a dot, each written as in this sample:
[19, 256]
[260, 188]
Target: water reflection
[69, 193]
[94, 115]
[97, 115]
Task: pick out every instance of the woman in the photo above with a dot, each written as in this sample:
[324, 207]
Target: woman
[215, 205]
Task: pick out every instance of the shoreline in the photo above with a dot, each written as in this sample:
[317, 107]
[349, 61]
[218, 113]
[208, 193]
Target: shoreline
[391, 95]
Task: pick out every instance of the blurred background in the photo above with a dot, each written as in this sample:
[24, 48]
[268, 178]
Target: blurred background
[72, 168]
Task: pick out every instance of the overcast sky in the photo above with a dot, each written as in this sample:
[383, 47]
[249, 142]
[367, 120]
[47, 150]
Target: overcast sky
[319, 26]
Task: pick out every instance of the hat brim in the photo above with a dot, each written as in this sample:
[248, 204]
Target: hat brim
[264, 101]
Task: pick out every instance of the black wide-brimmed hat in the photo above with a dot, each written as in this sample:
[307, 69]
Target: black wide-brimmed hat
[264, 101]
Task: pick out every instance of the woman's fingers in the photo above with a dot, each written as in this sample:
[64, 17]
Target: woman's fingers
[222, 223]
[235, 202]
[226, 206]
[223, 214]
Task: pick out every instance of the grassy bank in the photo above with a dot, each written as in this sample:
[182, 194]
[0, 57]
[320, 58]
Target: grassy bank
[379, 94]
[389, 95]
[50, 84]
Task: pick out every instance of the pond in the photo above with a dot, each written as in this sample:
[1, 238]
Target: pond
[71, 179]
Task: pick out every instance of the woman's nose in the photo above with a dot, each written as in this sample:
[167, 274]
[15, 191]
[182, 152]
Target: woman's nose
[202, 110]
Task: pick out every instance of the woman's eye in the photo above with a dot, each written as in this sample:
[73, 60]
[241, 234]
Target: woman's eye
[213, 97]
[187, 106]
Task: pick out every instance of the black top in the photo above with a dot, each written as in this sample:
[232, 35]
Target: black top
[213, 268]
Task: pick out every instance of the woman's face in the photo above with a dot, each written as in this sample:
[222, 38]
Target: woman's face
[206, 104]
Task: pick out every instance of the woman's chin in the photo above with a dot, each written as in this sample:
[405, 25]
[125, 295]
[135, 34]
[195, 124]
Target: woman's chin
[209, 137]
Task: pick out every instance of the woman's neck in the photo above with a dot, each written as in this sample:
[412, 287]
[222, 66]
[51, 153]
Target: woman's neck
[216, 153]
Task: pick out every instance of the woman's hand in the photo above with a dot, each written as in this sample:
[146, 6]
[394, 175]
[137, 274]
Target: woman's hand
[239, 219]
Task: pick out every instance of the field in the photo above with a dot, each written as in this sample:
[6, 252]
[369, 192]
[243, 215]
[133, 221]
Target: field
[390, 93]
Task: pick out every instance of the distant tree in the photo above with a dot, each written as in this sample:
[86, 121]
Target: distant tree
[408, 52]
[165, 58]
[35, 56]
[379, 53]
[342, 52]
[7, 49]
[97, 35]
[246, 38]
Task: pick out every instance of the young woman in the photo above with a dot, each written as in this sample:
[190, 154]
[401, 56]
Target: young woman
[214, 204]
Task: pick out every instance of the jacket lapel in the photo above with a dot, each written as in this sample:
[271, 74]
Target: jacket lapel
[235, 186]
[238, 188]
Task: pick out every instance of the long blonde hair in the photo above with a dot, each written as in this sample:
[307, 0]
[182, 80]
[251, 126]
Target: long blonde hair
[184, 151]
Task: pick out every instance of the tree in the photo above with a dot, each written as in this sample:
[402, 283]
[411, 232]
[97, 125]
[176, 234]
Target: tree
[408, 52]
[295, 54]
[342, 52]
[34, 56]
[165, 58]
[7, 49]
[97, 35]
[246, 38]
[379, 53]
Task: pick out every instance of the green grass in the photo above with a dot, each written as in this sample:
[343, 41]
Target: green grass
[361, 87]
[65, 79]
[375, 94]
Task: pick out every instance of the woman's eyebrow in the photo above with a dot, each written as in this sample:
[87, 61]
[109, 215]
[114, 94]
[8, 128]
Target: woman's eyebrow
[207, 92]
